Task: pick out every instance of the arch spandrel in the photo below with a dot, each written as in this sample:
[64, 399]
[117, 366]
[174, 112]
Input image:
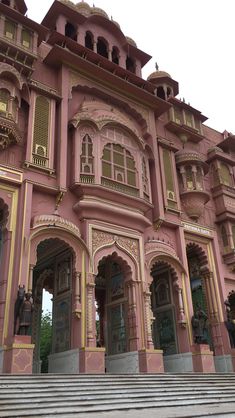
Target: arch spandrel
[6, 69]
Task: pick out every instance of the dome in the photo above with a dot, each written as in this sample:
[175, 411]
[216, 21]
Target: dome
[116, 24]
[98, 11]
[83, 8]
[131, 41]
[158, 74]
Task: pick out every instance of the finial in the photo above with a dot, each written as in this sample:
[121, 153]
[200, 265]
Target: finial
[156, 66]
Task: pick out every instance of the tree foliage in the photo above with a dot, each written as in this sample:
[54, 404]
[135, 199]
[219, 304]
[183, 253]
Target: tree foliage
[45, 340]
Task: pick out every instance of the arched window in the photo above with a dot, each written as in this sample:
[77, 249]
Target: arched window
[70, 31]
[161, 93]
[4, 100]
[130, 64]
[102, 48]
[199, 179]
[225, 176]
[86, 156]
[115, 55]
[89, 41]
[118, 164]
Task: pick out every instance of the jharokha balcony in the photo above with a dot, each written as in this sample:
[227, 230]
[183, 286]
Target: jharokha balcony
[192, 169]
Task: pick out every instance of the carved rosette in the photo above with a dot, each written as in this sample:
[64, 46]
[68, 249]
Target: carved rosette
[101, 238]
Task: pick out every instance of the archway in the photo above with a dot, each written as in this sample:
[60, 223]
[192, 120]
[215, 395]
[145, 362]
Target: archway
[164, 307]
[116, 317]
[53, 272]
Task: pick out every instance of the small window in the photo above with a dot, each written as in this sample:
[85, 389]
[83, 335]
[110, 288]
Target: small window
[86, 156]
[70, 31]
[26, 38]
[188, 119]
[102, 48]
[189, 177]
[224, 236]
[4, 99]
[10, 30]
[118, 164]
[6, 2]
[115, 55]
[89, 43]
[225, 176]
[130, 65]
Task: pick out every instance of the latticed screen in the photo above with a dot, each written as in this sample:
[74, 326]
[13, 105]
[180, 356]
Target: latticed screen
[10, 29]
[171, 203]
[199, 178]
[145, 177]
[224, 236]
[225, 176]
[118, 164]
[178, 116]
[86, 156]
[189, 119]
[26, 38]
[233, 229]
[4, 97]
[197, 125]
[41, 126]
[189, 177]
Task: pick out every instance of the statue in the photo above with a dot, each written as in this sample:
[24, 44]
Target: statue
[25, 317]
[199, 324]
[18, 304]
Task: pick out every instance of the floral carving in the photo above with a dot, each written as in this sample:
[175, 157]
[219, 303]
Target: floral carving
[101, 238]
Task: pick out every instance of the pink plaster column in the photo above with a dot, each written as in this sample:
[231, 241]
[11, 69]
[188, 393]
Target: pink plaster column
[92, 360]
[151, 361]
[148, 317]
[132, 316]
[90, 311]
[203, 359]
[18, 357]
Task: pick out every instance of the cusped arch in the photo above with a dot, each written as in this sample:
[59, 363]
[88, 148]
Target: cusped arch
[111, 249]
[4, 214]
[57, 228]
[195, 249]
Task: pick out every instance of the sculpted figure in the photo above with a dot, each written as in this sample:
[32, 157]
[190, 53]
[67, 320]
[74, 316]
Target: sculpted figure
[18, 304]
[25, 318]
[199, 324]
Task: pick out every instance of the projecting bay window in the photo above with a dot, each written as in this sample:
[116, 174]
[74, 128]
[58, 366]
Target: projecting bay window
[170, 193]
[118, 169]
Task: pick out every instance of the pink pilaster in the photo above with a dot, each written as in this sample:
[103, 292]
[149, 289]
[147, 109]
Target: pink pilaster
[18, 356]
[91, 360]
[203, 359]
[151, 361]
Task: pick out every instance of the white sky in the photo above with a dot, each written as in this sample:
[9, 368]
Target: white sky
[193, 40]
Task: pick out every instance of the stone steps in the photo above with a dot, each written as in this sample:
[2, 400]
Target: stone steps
[71, 395]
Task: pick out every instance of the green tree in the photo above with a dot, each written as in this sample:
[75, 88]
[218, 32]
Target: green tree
[45, 340]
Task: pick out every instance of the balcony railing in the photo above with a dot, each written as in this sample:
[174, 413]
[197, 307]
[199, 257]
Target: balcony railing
[120, 187]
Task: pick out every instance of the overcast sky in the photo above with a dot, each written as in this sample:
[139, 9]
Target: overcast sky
[193, 40]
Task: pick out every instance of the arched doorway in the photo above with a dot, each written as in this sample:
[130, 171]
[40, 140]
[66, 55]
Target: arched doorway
[164, 327]
[116, 319]
[199, 275]
[53, 272]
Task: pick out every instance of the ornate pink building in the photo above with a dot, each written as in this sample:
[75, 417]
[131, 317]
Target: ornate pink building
[114, 197]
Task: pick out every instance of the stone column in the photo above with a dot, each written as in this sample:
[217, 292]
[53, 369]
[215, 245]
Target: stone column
[77, 294]
[132, 315]
[30, 279]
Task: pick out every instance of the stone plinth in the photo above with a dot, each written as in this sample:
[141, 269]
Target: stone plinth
[233, 358]
[151, 361]
[18, 356]
[203, 359]
[92, 360]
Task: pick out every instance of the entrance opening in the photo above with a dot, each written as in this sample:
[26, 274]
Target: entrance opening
[53, 273]
[111, 300]
[198, 289]
[163, 307]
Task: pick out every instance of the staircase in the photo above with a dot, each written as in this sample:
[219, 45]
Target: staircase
[72, 395]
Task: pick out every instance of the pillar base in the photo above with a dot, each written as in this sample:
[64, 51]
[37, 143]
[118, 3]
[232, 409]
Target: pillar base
[151, 361]
[18, 357]
[203, 359]
[233, 358]
[92, 360]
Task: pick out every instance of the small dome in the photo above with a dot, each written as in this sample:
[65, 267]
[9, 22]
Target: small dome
[98, 11]
[83, 8]
[116, 23]
[131, 41]
[158, 74]
[68, 3]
